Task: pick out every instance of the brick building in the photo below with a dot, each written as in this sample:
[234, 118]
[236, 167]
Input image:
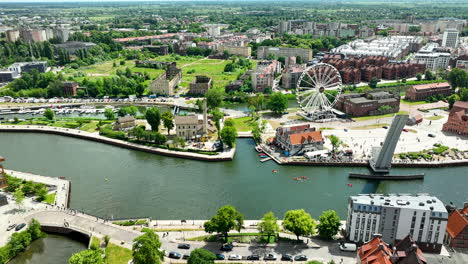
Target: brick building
[200, 85]
[160, 50]
[298, 139]
[457, 228]
[70, 88]
[421, 92]
[368, 104]
[458, 119]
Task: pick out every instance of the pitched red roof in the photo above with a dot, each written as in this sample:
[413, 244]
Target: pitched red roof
[375, 252]
[457, 222]
[431, 86]
[299, 138]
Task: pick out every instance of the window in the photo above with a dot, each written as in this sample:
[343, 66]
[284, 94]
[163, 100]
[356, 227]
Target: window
[420, 235]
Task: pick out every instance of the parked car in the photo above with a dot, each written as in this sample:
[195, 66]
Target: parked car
[220, 257]
[174, 255]
[386, 127]
[253, 257]
[186, 256]
[431, 135]
[405, 130]
[286, 257]
[20, 226]
[183, 246]
[235, 257]
[227, 247]
[10, 227]
[270, 257]
[300, 258]
[348, 247]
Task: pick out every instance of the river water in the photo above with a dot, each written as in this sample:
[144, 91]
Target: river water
[141, 184]
[55, 249]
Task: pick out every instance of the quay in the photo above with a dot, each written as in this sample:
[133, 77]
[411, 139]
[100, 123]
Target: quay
[223, 156]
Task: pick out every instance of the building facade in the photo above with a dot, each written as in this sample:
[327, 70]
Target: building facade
[421, 92]
[395, 216]
[124, 122]
[264, 75]
[450, 39]
[457, 228]
[166, 83]
[192, 126]
[458, 119]
[236, 50]
[263, 52]
[298, 139]
[291, 75]
[20, 67]
[200, 85]
[368, 104]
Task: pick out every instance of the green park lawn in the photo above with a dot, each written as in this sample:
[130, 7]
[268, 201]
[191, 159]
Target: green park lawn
[362, 118]
[50, 198]
[89, 127]
[404, 101]
[117, 255]
[210, 68]
[243, 124]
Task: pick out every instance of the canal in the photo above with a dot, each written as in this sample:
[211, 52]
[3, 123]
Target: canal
[140, 184]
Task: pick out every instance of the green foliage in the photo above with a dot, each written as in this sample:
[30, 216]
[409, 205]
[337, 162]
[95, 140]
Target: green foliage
[201, 256]
[228, 135]
[329, 224]
[277, 103]
[373, 82]
[217, 115]
[153, 117]
[106, 240]
[428, 75]
[107, 132]
[384, 108]
[168, 121]
[269, 225]
[89, 256]
[226, 219]
[228, 122]
[335, 141]
[299, 222]
[439, 149]
[214, 98]
[109, 114]
[49, 114]
[146, 248]
[419, 77]
[19, 196]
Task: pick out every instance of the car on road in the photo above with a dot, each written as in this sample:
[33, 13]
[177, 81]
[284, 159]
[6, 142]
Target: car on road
[286, 257]
[20, 226]
[183, 246]
[186, 256]
[405, 130]
[10, 227]
[300, 258]
[227, 247]
[270, 257]
[348, 247]
[386, 127]
[431, 135]
[345, 130]
[234, 257]
[253, 257]
[174, 255]
[220, 257]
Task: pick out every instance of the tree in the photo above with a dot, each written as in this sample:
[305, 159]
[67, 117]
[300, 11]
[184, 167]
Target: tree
[452, 99]
[458, 78]
[34, 229]
[106, 240]
[226, 219]
[146, 248]
[89, 256]
[109, 114]
[168, 121]
[269, 225]
[299, 60]
[228, 135]
[19, 196]
[214, 98]
[122, 111]
[373, 82]
[132, 110]
[419, 77]
[153, 116]
[277, 103]
[217, 115]
[329, 224]
[428, 75]
[201, 256]
[299, 222]
[49, 114]
[229, 122]
[335, 141]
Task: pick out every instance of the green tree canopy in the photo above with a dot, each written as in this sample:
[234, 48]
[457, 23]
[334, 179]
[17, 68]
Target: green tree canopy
[335, 141]
[89, 256]
[19, 196]
[329, 224]
[458, 78]
[153, 116]
[217, 115]
[109, 114]
[277, 103]
[201, 256]
[226, 219]
[168, 121]
[49, 114]
[146, 248]
[299, 222]
[214, 98]
[269, 225]
[228, 135]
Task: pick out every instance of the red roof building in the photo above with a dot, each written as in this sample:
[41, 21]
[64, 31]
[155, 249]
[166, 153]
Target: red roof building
[458, 119]
[421, 92]
[299, 139]
[457, 228]
[376, 251]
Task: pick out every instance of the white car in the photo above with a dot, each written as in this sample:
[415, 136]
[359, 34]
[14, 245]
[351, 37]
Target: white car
[234, 257]
[350, 247]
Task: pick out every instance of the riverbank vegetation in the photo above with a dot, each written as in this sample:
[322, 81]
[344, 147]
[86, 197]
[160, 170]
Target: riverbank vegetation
[29, 189]
[437, 152]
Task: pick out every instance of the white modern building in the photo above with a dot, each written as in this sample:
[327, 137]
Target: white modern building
[450, 39]
[394, 216]
[431, 58]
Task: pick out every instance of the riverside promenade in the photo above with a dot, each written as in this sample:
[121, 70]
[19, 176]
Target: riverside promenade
[222, 156]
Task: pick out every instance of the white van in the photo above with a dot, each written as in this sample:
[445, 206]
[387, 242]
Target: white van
[348, 247]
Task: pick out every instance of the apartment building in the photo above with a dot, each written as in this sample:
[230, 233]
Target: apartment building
[430, 56]
[450, 39]
[264, 51]
[264, 75]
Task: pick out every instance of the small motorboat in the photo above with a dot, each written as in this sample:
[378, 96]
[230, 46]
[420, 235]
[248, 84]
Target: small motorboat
[258, 148]
[296, 179]
[262, 155]
[274, 171]
[349, 185]
[304, 177]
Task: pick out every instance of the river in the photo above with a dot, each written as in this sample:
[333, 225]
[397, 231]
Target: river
[142, 184]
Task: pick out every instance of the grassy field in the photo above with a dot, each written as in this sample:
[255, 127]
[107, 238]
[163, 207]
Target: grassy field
[89, 127]
[434, 117]
[243, 124]
[404, 101]
[117, 255]
[50, 198]
[362, 118]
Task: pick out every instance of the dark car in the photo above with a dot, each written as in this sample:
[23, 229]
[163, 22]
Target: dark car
[286, 257]
[431, 135]
[10, 227]
[269, 257]
[253, 257]
[20, 226]
[300, 258]
[174, 255]
[386, 127]
[227, 247]
[220, 257]
[184, 246]
[186, 256]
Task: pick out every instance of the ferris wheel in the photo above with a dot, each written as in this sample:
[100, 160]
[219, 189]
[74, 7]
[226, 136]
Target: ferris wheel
[318, 89]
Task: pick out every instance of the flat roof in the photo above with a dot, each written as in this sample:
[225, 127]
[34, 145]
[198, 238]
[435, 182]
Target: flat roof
[418, 201]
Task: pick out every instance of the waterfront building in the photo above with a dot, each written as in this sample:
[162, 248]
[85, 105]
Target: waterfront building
[264, 75]
[194, 126]
[298, 139]
[166, 83]
[394, 216]
[200, 85]
[264, 51]
[368, 104]
[124, 122]
[458, 119]
[457, 228]
[450, 39]
[421, 92]
[3, 182]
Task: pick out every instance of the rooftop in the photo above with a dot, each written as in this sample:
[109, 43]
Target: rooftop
[431, 86]
[186, 120]
[419, 201]
[299, 138]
